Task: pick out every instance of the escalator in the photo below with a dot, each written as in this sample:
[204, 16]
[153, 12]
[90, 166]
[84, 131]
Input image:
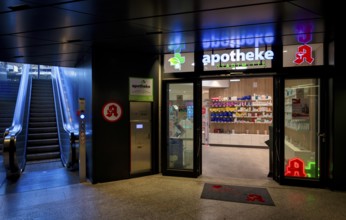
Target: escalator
[43, 139]
[41, 148]
[8, 97]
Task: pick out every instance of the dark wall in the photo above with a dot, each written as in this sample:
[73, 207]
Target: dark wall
[338, 154]
[338, 135]
[110, 82]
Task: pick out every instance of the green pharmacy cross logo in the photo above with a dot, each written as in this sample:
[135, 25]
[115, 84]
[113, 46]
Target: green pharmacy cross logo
[176, 61]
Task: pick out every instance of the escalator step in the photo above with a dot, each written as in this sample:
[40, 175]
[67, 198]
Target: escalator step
[42, 149]
[42, 130]
[42, 114]
[41, 124]
[33, 136]
[42, 109]
[42, 156]
[41, 142]
[42, 119]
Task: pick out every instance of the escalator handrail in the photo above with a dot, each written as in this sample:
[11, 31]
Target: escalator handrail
[17, 122]
[62, 101]
[65, 128]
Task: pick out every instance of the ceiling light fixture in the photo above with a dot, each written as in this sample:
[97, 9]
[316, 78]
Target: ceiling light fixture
[234, 80]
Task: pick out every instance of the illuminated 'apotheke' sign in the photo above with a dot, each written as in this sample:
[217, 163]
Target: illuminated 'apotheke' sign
[238, 56]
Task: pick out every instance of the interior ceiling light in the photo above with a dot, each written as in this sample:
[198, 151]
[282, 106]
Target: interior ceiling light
[234, 80]
[19, 7]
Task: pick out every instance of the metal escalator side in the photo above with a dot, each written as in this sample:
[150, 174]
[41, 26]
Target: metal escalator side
[8, 97]
[68, 135]
[15, 136]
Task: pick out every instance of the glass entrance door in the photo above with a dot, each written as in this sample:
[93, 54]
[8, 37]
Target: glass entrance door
[182, 138]
[304, 136]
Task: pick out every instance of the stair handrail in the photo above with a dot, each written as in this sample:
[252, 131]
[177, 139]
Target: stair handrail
[13, 161]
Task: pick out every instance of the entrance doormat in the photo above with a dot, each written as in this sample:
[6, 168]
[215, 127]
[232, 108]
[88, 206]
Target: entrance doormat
[250, 195]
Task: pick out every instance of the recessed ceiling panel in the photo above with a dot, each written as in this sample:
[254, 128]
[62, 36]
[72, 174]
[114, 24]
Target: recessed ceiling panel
[49, 30]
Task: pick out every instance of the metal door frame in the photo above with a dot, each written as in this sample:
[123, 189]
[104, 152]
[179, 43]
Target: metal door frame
[279, 127]
[197, 126]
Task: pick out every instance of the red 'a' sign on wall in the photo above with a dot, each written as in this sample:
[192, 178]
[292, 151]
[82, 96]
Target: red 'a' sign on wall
[304, 53]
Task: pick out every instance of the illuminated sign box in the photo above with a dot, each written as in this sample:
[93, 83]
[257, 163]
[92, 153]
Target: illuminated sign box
[141, 89]
[179, 62]
[303, 55]
[236, 59]
[233, 59]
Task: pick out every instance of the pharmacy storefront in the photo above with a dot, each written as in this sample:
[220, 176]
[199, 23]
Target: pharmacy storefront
[247, 92]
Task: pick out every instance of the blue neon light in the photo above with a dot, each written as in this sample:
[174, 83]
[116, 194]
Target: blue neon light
[238, 41]
[304, 32]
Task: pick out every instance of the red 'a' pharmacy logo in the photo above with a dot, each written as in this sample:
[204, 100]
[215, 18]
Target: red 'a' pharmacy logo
[304, 53]
[295, 167]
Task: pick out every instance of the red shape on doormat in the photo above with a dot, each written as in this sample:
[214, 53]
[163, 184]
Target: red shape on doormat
[254, 197]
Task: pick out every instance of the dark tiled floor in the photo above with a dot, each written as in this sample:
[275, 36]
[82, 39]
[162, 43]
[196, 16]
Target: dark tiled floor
[37, 176]
[34, 178]
[163, 197]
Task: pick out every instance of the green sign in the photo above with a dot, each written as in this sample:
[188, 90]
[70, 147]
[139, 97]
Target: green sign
[141, 89]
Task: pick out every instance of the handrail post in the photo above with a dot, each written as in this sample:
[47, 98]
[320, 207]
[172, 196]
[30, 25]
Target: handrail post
[10, 157]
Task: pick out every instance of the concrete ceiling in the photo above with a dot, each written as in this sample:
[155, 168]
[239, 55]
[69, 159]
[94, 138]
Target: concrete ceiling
[62, 32]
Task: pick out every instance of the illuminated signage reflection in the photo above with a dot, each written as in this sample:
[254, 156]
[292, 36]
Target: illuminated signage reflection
[304, 33]
[304, 36]
[256, 37]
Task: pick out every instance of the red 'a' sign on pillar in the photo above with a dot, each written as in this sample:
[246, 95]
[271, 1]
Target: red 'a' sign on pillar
[295, 167]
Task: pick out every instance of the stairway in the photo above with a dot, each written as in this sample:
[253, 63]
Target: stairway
[8, 98]
[43, 140]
